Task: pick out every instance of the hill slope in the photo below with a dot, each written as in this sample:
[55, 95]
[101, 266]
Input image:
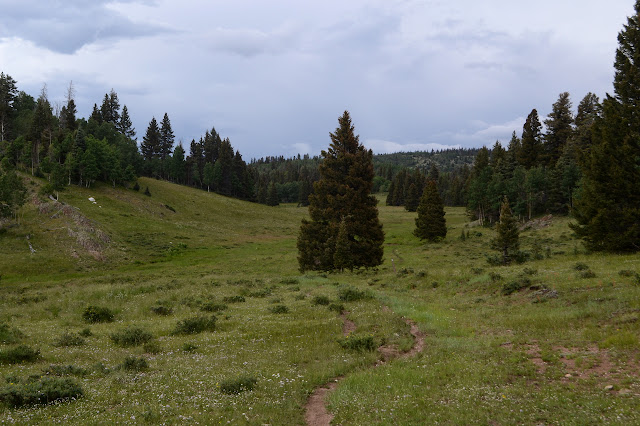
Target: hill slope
[124, 226]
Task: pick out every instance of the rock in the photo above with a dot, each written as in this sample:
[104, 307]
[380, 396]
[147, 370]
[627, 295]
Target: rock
[568, 375]
[608, 388]
[624, 392]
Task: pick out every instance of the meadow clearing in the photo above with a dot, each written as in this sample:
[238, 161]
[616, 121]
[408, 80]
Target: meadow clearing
[207, 319]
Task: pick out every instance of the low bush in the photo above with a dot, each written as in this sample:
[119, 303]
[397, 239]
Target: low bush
[235, 386]
[9, 335]
[587, 274]
[65, 370]
[350, 294]
[152, 347]
[69, 339]
[195, 325]
[39, 391]
[134, 364]
[337, 307]
[95, 314]
[233, 299]
[213, 307]
[279, 309]
[580, 266]
[358, 343]
[86, 332]
[131, 336]
[189, 347]
[19, 354]
[515, 286]
[162, 310]
[320, 300]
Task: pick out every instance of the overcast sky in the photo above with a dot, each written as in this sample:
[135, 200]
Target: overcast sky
[274, 76]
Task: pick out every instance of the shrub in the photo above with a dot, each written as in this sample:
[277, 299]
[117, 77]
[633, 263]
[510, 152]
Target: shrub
[69, 339]
[9, 335]
[233, 299]
[96, 314]
[289, 281]
[261, 293]
[39, 391]
[213, 307]
[132, 363]
[131, 336]
[349, 294]
[626, 273]
[495, 276]
[516, 285]
[152, 347]
[19, 354]
[162, 310]
[147, 192]
[65, 370]
[235, 386]
[279, 309]
[529, 271]
[195, 325]
[580, 266]
[337, 307]
[86, 332]
[320, 300]
[587, 274]
[358, 343]
[189, 347]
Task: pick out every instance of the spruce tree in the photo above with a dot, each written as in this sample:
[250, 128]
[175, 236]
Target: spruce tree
[559, 125]
[272, 195]
[166, 137]
[150, 146]
[125, 126]
[531, 143]
[413, 198]
[608, 207]
[8, 95]
[343, 193]
[507, 239]
[430, 223]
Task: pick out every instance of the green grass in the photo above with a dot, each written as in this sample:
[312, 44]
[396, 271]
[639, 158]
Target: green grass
[490, 357]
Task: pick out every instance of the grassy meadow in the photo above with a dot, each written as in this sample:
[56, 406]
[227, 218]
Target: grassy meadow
[212, 323]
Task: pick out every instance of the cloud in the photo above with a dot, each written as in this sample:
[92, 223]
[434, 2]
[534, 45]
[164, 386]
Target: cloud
[386, 147]
[66, 30]
[249, 42]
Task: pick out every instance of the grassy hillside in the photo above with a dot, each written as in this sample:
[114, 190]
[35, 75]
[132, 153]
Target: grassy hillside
[554, 340]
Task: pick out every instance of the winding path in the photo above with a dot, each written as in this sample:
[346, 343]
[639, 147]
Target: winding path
[316, 413]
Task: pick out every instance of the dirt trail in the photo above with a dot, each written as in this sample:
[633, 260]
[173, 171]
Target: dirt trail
[316, 413]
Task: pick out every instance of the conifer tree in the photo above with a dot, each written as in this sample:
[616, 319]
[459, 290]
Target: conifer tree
[413, 198]
[430, 223]
[96, 115]
[342, 257]
[8, 95]
[559, 125]
[507, 240]
[531, 143]
[272, 195]
[125, 126]
[608, 207]
[166, 137]
[343, 193]
[150, 146]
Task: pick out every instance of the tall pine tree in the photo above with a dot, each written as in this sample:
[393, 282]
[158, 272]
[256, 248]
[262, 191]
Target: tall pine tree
[608, 207]
[531, 143]
[430, 223]
[559, 124]
[342, 195]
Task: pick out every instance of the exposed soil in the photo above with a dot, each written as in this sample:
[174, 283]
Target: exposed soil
[316, 413]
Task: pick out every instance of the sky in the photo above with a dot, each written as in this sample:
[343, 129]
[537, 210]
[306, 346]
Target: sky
[274, 76]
